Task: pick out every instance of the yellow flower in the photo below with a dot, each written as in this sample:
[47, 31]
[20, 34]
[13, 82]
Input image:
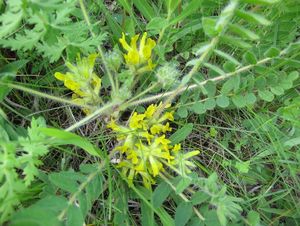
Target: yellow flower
[137, 121]
[82, 80]
[145, 148]
[139, 56]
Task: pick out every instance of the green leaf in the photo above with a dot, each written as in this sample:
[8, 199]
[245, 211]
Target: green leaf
[252, 17]
[12, 17]
[43, 213]
[66, 180]
[266, 95]
[75, 217]
[292, 142]
[231, 84]
[128, 7]
[183, 183]
[199, 197]
[266, 2]
[235, 41]
[243, 32]
[210, 104]
[250, 98]
[171, 5]
[293, 75]
[145, 8]
[214, 68]
[272, 52]
[156, 24]
[253, 218]
[227, 57]
[182, 112]
[242, 167]
[210, 88]
[64, 137]
[261, 83]
[181, 133]
[277, 90]
[222, 101]
[209, 26]
[239, 101]
[160, 194]
[183, 213]
[189, 8]
[199, 108]
[250, 58]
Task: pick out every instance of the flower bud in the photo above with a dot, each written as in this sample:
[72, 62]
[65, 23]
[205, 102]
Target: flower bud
[167, 75]
[114, 59]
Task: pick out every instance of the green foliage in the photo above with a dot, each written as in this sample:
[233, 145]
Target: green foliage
[22, 154]
[52, 29]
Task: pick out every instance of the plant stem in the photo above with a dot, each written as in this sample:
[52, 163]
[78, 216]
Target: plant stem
[86, 18]
[43, 95]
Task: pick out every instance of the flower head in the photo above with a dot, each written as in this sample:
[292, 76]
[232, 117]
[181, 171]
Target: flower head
[82, 80]
[139, 56]
[145, 147]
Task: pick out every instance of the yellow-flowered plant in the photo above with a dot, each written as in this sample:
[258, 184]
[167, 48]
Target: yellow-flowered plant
[82, 80]
[145, 149]
[139, 57]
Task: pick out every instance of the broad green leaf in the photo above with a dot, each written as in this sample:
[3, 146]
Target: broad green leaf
[250, 58]
[253, 218]
[64, 137]
[277, 90]
[293, 75]
[182, 112]
[231, 84]
[266, 95]
[160, 194]
[199, 108]
[261, 83]
[74, 216]
[210, 104]
[183, 184]
[229, 66]
[250, 98]
[66, 180]
[222, 101]
[44, 212]
[147, 215]
[239, 101]
[199, 197]
[272, 52]
[252, 17]
[210, 88]
[183, 213]
[181, 133]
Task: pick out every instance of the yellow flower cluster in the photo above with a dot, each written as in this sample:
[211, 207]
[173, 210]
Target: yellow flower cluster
[139, 56]
[144, 148]
[81, 79]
